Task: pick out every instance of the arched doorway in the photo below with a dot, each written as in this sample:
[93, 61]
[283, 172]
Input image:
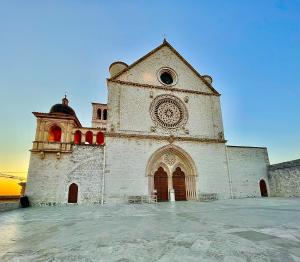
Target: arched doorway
[178, 179]
[73, 193]
[100, 138]
[174, 161]
[77, 137]
[263, 188]
[89, 137]
[161, 184]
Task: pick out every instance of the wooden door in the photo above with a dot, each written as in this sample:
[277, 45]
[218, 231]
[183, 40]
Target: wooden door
[179, 184]
[73, 193]
[263, 188]
[161, 184]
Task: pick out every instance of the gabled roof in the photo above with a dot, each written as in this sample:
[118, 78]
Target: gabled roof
[166, 43]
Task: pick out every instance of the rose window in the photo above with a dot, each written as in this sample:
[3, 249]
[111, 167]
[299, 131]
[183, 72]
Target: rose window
[168, 111]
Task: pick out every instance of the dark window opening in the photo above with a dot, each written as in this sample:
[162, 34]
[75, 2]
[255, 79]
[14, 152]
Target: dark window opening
[166, 78]
[99, 113]
[104, 114]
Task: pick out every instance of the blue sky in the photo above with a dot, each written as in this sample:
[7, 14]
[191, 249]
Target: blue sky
[250, 48]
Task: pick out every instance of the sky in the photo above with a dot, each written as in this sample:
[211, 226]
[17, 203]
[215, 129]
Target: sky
[250, 48]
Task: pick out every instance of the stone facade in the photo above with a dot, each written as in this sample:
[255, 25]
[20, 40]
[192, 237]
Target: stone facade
[161, 115]
[49, 178]
[285, 179]
[247, 167]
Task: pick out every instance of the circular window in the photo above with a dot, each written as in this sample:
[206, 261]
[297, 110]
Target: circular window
[168, 111]
[167, 76]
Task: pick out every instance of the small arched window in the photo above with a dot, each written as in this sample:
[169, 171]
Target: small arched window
[99, 113]
[77, 137]
[100, 138]
[104, 114]
[89, 137]
[54, 134]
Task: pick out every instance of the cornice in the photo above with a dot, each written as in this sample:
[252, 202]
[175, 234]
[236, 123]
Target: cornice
[57, 116]
[171, 139]
[161, 87]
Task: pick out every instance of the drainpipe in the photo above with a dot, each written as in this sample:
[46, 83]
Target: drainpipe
[228, 173]
[103, 176]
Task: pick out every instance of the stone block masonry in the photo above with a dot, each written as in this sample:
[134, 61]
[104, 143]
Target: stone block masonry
[285, 179]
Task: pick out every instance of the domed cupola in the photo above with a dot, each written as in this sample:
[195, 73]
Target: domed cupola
[63, 108]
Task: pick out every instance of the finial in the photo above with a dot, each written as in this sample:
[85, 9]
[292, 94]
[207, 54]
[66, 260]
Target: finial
[164, 36]
[65, 100]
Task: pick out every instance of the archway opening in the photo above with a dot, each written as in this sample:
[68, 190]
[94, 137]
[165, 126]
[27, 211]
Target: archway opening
[73, 193]
[104, 114]
[178, 179]
[180, 168]
[161, 184]
[100, 138]
[99, 113]
[54, 134]
[89, 137]
[77, 137]
[263, 188]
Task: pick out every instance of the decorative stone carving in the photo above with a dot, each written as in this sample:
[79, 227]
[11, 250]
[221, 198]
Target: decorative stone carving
[169, 159]
[168, 111]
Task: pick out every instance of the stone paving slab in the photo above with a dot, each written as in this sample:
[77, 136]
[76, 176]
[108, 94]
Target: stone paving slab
[230, 230]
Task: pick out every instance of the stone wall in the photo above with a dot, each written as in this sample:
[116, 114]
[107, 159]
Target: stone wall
[127, 159]
[247, 166]
[285, 179]
[49, 178]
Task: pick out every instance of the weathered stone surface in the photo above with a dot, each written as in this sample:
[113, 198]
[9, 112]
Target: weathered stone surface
[253, 230]
[50, 178]
[247, 166]
[285, 179]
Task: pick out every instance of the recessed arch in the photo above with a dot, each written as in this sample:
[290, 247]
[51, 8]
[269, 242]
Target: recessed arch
[89, 137]
[170, 157]
[99, 115]
[73, 193]
[77, 137]
[104, 114]
[54, 134]
[263, 188]
[100, 138]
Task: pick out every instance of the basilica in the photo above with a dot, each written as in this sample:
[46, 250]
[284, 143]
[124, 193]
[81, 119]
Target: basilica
[159, 137]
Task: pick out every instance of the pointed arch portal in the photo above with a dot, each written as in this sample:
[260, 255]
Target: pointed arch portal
[172, 168]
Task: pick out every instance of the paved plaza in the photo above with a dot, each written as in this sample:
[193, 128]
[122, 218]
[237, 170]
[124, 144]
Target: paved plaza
[229, 230]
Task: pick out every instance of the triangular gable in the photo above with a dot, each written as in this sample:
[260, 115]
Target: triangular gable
[165, 43]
